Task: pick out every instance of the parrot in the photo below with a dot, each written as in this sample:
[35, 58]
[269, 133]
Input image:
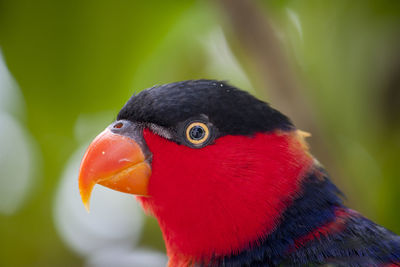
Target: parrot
[231, 182]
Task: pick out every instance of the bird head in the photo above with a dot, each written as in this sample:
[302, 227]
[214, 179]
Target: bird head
[216, 166]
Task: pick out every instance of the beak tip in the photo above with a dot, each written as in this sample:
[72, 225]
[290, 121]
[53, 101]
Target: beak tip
[85, 192]
[87, 206]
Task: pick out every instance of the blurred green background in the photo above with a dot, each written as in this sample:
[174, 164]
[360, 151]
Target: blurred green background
[67, 67]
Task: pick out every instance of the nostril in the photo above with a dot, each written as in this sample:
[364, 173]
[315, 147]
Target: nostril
[118, 125]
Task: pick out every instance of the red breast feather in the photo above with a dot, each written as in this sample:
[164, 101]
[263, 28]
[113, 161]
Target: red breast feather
[224, 197]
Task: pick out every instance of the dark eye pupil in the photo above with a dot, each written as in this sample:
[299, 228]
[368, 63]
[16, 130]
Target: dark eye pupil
[197, 133]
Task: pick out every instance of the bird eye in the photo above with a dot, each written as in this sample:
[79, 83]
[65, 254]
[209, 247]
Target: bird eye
[197, 133]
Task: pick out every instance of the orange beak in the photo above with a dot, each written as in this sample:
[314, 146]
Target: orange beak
[114, 161]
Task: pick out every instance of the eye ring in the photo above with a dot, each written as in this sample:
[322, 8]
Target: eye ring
[197, 133]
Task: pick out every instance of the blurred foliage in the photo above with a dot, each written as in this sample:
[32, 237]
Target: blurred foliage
[76, 58]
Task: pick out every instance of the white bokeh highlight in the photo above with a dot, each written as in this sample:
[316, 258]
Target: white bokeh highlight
[115, 219]
[19, 159]
[16, 164]
[11, 100]
[123, 258]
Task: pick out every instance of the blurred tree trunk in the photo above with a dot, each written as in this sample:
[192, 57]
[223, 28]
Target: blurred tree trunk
[249, 23]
